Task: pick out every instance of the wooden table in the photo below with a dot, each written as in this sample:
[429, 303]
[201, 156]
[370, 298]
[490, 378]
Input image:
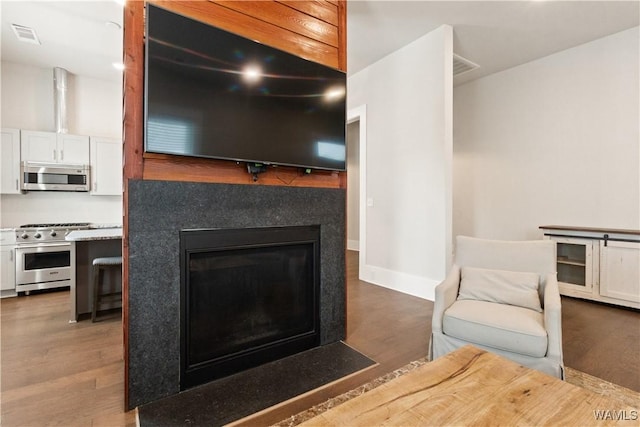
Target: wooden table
[474, 387]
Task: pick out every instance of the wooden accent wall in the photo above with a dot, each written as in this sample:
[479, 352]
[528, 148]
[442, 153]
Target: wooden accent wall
[313, 29]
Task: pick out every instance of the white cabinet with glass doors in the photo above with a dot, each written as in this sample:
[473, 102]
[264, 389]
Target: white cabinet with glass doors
[598, 264]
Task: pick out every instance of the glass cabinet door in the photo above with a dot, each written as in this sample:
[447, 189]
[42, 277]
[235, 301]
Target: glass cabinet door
[574, 265]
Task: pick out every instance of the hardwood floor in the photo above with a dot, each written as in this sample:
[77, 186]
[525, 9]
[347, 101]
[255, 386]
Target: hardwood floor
[56, 373]
[602, 340]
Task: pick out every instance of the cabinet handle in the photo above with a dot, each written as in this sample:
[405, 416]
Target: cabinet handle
[11, 255]
[17, 185]
[54, 155]
[95, 186]
[61, 155]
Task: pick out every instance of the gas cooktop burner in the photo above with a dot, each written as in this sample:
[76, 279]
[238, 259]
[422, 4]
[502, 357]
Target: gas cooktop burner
[47, 233]
[62, 224]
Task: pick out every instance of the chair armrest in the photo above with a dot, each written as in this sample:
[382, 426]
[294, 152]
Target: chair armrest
[553, 317]
[445, 295]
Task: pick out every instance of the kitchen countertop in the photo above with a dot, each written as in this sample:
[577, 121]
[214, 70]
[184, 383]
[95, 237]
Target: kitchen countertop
[94, 225]
[95, 234]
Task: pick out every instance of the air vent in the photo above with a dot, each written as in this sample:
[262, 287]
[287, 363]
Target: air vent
[462, 65]
[25, 34]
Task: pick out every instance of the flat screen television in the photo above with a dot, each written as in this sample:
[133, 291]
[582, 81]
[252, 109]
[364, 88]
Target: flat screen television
[211, 93]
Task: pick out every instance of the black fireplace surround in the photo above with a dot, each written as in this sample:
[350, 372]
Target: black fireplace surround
[159, 211]
[247, 296]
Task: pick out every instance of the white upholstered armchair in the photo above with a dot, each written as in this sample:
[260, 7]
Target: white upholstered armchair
[503, 297]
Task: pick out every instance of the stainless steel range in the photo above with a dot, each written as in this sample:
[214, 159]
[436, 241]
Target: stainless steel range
[43, 257]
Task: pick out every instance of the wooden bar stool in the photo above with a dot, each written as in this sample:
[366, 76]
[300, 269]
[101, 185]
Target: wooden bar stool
[100, 267]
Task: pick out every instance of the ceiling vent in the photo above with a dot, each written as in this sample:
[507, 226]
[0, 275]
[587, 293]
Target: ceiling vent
[462, 65]
[25, 34]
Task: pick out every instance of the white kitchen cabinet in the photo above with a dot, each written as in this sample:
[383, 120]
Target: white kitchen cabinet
[10, 179]
[620, 270]
[54, 147]
[7, 264]
[73, 149]
[38, 146]
[598, 264]
[106, 166]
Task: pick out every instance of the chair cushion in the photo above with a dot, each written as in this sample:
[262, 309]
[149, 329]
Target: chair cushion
[112, 260]
[500, 286]
[500, 326]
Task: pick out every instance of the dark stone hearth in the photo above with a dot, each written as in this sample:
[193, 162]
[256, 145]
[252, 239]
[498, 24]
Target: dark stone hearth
[158, 210]
[237, 396]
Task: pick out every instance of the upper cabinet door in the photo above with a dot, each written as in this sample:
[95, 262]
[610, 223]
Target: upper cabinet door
[10, 179]
[106, 167]
[38, 146]
[73, 149]
[51, 147]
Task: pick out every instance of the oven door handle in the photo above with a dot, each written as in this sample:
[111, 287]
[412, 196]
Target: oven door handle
[43, 245]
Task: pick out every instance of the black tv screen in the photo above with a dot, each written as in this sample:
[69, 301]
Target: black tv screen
[211, 93]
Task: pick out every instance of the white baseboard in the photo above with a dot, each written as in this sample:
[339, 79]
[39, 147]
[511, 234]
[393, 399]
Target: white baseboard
[353, 245]
[421, 287]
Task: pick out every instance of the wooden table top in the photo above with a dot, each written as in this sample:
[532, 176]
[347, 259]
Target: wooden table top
[474, 387]
[590, 229]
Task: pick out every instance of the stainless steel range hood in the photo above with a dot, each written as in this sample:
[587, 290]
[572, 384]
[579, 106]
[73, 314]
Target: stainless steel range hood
[60, 99]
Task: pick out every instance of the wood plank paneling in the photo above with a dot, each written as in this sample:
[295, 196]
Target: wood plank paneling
[255, 29]
[133, 80]
[288, 18]
[324, 10]
[176, 168]
[342, 36]
[133, 120]
[253, 20]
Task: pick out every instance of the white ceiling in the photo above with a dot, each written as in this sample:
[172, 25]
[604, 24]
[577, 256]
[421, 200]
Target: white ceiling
[74, 35]
[494, 34]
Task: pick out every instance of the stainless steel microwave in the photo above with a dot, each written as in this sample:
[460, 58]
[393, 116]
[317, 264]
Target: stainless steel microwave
[36, 176]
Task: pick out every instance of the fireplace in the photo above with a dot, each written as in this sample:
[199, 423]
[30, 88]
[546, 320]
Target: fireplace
[158, 213]
[248, 296]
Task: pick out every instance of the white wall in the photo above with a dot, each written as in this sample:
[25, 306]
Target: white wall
[98, 110]
[553, 141]
[95, 106]
[95, 109]
[27, 97]
[55, 207]
[408, 97]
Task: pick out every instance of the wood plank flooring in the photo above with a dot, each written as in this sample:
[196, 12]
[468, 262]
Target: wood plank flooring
[56, 373]
[602, 340]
